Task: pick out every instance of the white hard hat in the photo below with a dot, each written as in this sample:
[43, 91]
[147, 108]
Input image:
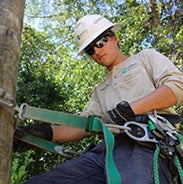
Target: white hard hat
[90, 27]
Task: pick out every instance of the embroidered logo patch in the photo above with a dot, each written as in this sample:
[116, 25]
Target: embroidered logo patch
[129, 68]
[124, 70]
[78, 37]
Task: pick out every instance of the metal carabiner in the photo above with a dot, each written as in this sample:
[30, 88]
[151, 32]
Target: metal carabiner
[6, 99]
[21, 111]
[139, 132]
[163, 125]
[65, 151]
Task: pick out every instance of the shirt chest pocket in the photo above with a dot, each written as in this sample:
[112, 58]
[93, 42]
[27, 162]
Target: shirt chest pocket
[130, 75]
[133, 82]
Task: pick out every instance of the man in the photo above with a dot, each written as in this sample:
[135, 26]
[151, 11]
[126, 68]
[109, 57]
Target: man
[135, 86]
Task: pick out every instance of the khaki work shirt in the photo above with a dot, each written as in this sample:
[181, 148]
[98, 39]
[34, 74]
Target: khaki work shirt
[135, 78]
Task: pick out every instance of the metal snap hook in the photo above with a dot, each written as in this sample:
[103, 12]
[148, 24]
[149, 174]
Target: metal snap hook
[6, 99]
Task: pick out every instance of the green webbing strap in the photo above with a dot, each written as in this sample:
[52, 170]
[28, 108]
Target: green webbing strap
[41, 143]
[92, 123]
[48, 145]
[55, 117]
[113, 175]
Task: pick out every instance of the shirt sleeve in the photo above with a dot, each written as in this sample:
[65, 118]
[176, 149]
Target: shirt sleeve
[93, 106]
[163, 72]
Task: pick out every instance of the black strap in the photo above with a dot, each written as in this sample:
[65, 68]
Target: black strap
[173, 118]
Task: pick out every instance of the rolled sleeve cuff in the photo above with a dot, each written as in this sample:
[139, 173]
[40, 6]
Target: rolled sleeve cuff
[178, 92]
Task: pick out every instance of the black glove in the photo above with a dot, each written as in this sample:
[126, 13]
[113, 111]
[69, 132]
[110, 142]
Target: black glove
[42, 130]
[121, 113]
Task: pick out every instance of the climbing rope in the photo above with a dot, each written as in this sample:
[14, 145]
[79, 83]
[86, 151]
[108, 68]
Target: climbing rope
[155, 165]
[176, 159]
[179, 167]
[177, 140]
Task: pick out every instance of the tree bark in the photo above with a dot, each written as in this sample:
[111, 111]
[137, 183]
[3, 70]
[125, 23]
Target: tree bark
[11, 23]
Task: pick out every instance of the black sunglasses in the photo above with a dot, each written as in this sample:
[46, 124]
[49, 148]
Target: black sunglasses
[99, 43]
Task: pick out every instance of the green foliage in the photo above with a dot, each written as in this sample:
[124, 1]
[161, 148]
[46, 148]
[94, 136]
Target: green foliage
[38, 67]
[52, 76]
[49, 79]
[20, 162]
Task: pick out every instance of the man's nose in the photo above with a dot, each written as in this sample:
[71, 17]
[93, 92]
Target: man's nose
[96, 49]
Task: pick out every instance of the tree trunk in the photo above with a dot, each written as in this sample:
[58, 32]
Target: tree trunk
[11, 22]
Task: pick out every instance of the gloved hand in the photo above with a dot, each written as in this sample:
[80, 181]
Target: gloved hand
[42, 130]
[120, 114]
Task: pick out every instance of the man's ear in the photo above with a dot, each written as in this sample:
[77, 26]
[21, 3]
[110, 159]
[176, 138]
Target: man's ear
[116, 40]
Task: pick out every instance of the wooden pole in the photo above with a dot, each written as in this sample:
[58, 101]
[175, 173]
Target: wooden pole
[11, 23]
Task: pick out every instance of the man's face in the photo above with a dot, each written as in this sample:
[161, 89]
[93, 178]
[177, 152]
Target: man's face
[104, 49]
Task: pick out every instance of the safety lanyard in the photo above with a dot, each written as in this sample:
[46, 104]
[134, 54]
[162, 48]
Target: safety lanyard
[94, 123]
[90, 124]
